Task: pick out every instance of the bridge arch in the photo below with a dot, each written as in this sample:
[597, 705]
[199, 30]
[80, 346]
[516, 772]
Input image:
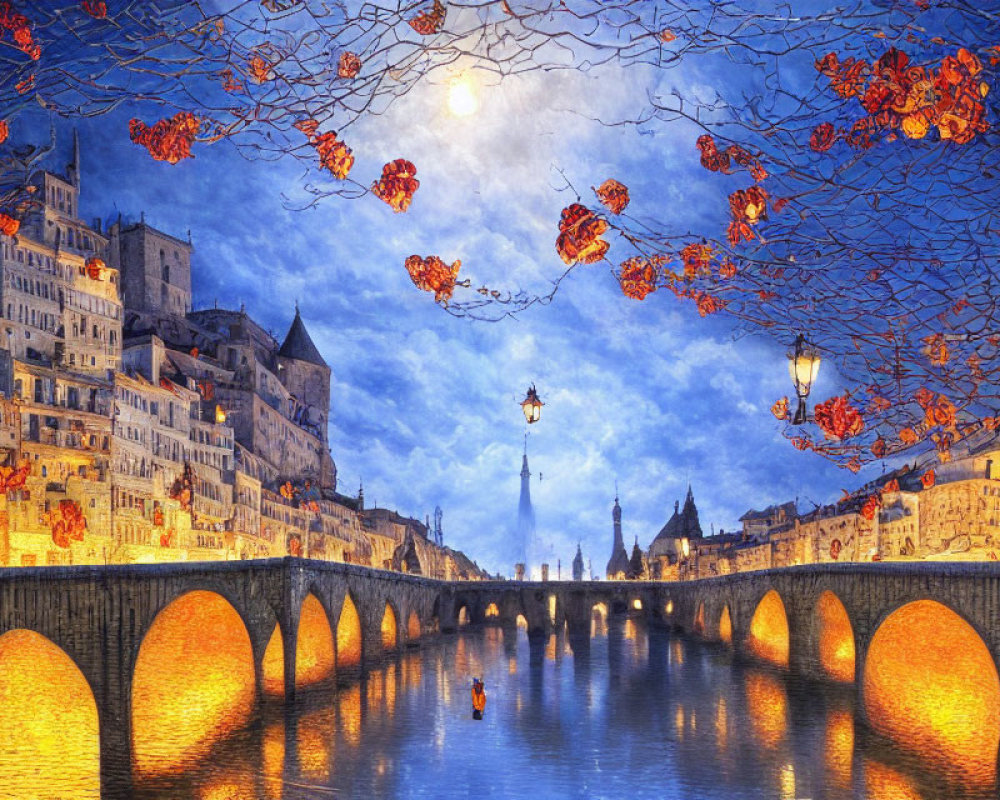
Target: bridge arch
[49, 739]
[930, 684]
[698, 623]
[350, 641]
[413, 628]
[193, 682]
[389, 628]
[725, 627]
[768, 637]
[834, 634]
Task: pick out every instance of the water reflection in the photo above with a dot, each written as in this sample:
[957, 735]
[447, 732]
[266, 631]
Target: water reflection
[637, 713]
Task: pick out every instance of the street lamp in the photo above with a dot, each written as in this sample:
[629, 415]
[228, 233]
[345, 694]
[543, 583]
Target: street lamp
[803, 366]
[532, 406]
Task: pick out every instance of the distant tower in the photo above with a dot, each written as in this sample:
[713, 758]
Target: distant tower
[438, 533]
[618, 563]
[578, 564]
[155, 268]
[526, 519]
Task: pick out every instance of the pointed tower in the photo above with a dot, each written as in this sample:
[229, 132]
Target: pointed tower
[690, 526]
[618, 563]
[526, 519]
[636, 564]
[578, 564]
[306, 375]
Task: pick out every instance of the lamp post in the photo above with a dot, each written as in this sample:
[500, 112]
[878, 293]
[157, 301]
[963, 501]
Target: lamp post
[803, 366]
[532, 406]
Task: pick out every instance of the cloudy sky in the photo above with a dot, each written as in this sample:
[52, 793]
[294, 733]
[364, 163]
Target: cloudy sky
[425, 405]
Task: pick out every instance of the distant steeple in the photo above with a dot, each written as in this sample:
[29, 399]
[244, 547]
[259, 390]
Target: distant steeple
[618, 563]
[578, 564]
[690, 526]
[526, 518]
[299, 345]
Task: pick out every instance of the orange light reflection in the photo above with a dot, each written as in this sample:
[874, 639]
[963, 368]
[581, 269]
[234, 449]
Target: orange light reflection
[768, 637]
[767, 702]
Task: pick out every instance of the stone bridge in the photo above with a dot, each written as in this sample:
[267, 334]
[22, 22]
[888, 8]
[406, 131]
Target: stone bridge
[99, 616]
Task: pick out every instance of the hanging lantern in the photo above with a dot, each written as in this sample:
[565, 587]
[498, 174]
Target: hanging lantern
[532, 406]
[803, 366]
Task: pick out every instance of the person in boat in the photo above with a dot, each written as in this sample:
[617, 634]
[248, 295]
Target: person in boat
[478, 698]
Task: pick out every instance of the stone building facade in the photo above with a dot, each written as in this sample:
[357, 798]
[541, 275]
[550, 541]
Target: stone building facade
[133, 429]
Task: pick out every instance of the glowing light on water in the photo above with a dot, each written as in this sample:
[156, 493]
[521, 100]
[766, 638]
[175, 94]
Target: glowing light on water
[349, 714]
[49, 732]
[314, 744]
[388, 629]
[273, 759]
[193, 683]
[314, 657]
[885, 783]
[348, 635]
[931, 686]
[836, 639]
[725, 627]
[721, 724]
[768, 637]
[767, 702]
[838, 751]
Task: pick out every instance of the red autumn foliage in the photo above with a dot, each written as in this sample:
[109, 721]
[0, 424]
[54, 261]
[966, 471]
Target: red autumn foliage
[8, 225]
[613, 195]
[168, 140]
[838, 419]
[18, 25]
[579, 239]
[98, 9]
[891, 486]
[697, 259]
[904, 97]
[879, 448]
[67, 523]
[870, 506]
[430, 22]
[927, 479]
[397, 184]
[638, 277]
[334, 155]
[747, 207]
[780, 409]
[823, 137]
[349, 65]
[716, 160]
[432, 275]
[12, 479]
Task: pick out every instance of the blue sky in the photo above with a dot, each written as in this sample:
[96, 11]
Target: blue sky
[425, 405]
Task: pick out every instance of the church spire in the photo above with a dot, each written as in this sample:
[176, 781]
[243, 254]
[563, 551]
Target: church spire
[618, 563]
[525, 516]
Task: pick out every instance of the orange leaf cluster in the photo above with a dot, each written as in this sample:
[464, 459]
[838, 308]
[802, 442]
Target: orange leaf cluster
[579, 239]
[908, 436]
[780, 409]
[801, 443]
[638, 277]
[938, 409]
[613, 195]
[716, 160]
[334, 155]
[891, 486]
[25, 86]
[912, 99]
[349, 65]
[879, 448]
[838, 419]
[727, 269]
[397, 184]
[667, 36]
[430, 22]
[8, 225]
[260, 69]
[431, 274]
[747, 207]
[871, 506]
[168, 140]
[18, 24]
[98, 9]
[67, 523]
[927, 479]
[696, 259]
[708, 304]
[936, 350]
[95, 266]
[229, 82]
[4, 131]
[12, 479]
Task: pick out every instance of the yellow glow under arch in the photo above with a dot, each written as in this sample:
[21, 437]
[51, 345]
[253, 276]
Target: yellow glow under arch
[389, 632]
[836, 638]
[725, 626]
[48, 721]
[931, 686]
[348, 635]
[193, 683]
[699, 620]
[768, 637]
[463, 617]
[413, 627]
[492, 611]
[314, 658]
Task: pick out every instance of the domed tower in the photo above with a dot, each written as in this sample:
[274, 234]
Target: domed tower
[306, 376]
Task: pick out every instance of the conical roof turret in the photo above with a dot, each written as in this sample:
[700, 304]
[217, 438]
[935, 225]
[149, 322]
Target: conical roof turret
[299, 345]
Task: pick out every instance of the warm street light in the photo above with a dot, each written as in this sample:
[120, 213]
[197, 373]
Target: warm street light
[532, 406]
[803, 366]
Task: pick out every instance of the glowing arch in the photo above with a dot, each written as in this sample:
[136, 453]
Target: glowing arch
[522, 622]
[463, 616]
[492, 612]
[48, 721]
[314, 656]
[348, 635]
[725, 626]
[836, 638]
[413, 627]
[389, 631]
[599, 619]
[193, 683]
[768, 637]
[930, 685]
[699, 620]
